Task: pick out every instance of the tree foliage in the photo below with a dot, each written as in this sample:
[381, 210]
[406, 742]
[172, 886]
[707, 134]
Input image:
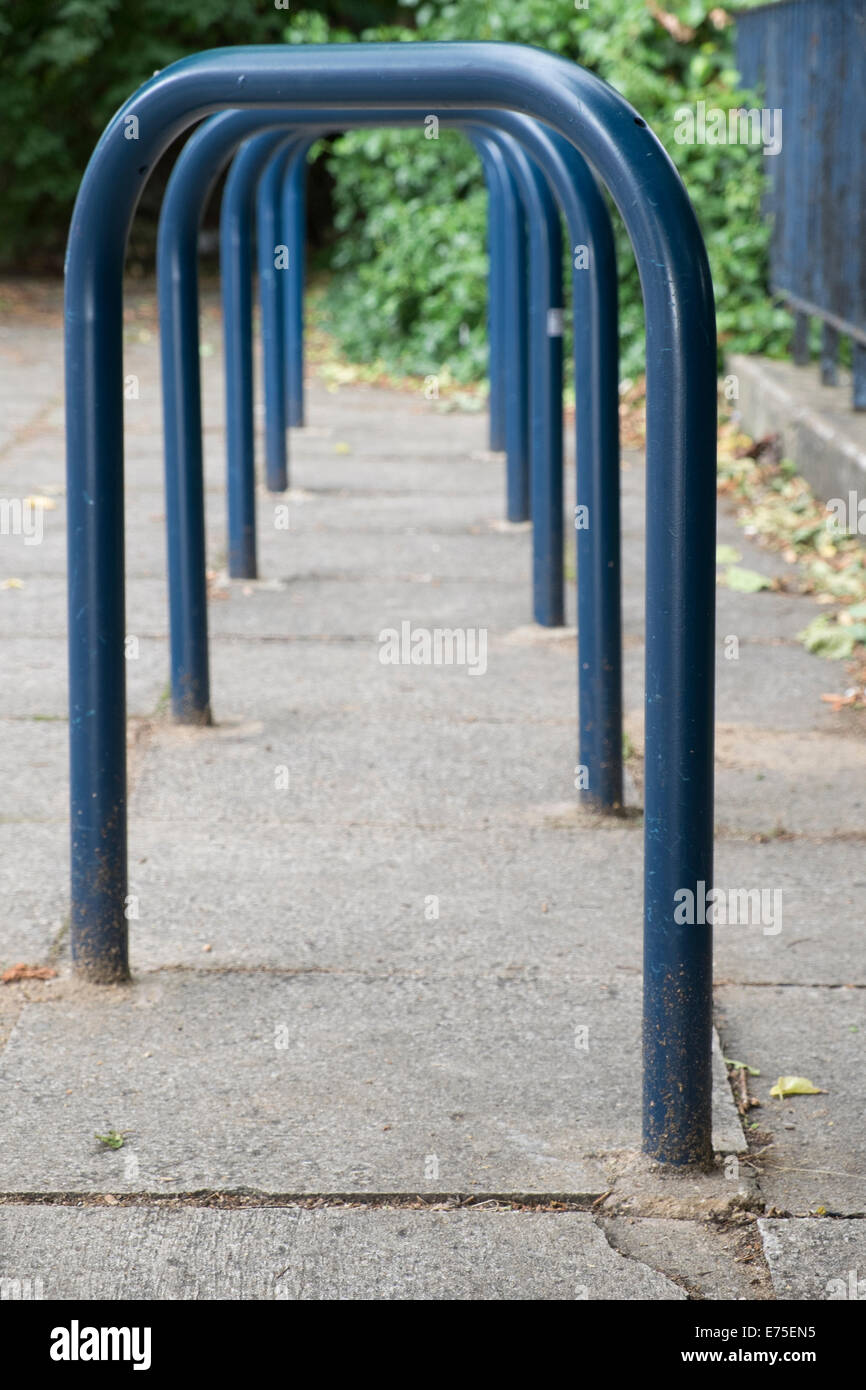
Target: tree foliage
[65, 68]
[408, 259]
[411, 213]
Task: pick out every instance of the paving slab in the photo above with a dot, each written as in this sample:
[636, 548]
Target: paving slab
[267, 680]
[387, 513]
[318, 469]
[808, 782]
[300, 607]
[43, 549]
[34, 685]
[524, 901]
[765, 616]
[458, 743]
[821, 899]
[34, 889]
[408, 1042]
[289, 1253]
[498, 556]
[343, 768]
[35, 755]
[709, 1261]
[813, 1150]
[316, 466]
[816, 1261]
[506, 896]
[326, 1082]
[774, 688]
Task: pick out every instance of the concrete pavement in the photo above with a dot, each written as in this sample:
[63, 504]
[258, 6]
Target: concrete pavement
[378, 954]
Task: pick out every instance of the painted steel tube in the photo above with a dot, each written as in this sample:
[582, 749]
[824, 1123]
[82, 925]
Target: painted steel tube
[681, 421]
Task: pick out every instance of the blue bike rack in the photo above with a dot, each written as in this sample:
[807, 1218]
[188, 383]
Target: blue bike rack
[596, 394]
[545, 353]
[681, 446]
[294, 202]
[595, 389]
[237, 295]
[196, 171]
[506, 303]
[269, 236]
[497, 277]
[294, 235]
[545, 382]
[257, 156]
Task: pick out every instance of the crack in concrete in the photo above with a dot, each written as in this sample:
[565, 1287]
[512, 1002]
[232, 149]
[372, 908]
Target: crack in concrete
[240, 1199]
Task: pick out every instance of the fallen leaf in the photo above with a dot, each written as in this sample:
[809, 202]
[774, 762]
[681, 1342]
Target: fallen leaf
[45, 504]
[12, 584]
[770, 445]
[794, 1086]
[21, 971]
[745, 581]
[112, 1140]
[841, 701]
[742, 1066]
[823, 637]
[342, 448]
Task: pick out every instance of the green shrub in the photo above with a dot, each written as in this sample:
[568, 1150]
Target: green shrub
[409, 262]
[408, 259]
[67, 66]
